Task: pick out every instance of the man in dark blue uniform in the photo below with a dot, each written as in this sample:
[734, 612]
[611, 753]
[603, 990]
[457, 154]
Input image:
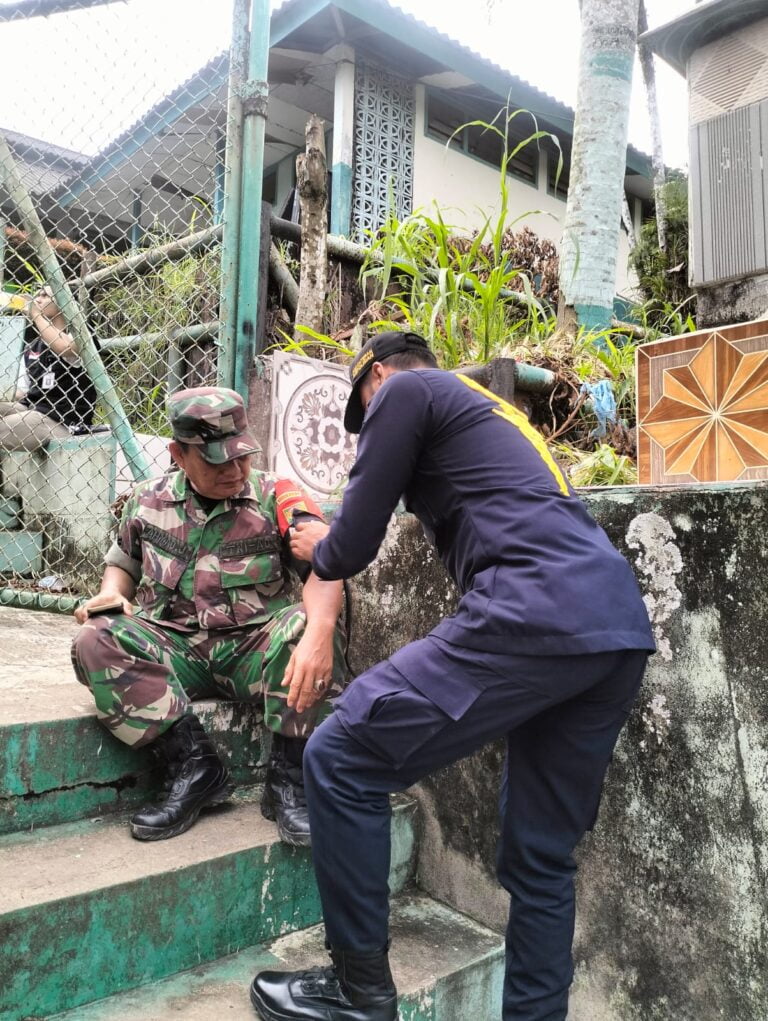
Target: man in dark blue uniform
[547, 647]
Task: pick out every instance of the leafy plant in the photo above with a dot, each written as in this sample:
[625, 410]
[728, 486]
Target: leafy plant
[663, 275]
[600, 467]
[311, 344]
[465, 294]
[174, 296]
[665, 319]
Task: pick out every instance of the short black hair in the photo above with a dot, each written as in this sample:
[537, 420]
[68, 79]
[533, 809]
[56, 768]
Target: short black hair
[411, 360]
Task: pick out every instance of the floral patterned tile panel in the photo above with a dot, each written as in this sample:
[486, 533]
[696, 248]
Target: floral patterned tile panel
[308, 440]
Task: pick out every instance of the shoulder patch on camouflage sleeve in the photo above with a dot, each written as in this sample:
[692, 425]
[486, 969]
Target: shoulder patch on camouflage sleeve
[290, 499]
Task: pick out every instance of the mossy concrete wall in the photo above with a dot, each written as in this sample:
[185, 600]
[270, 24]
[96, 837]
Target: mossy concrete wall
[672, 906]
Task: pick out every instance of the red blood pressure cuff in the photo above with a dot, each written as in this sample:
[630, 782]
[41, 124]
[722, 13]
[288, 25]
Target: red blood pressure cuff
[292, 501]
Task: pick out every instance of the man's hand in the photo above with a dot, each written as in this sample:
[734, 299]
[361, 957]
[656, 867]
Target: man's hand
[102, 599]
[304, 537]
[310, 664]
[41, 305]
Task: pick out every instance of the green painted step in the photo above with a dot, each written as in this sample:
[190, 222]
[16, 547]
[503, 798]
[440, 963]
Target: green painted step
[59, 770]
[446, 967]
[57, 764]
[87, 911]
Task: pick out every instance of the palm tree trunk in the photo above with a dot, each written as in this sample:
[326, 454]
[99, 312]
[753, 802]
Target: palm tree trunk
[593, 214]
[657, 155]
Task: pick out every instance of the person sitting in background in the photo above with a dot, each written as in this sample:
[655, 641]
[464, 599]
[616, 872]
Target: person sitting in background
[60, 396]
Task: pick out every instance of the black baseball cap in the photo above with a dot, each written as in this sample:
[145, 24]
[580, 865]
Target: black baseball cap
[393, 342]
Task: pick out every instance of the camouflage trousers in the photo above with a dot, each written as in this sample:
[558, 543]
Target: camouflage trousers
[144, 676]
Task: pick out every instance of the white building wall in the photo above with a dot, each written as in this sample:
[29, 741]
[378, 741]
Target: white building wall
[466, 189]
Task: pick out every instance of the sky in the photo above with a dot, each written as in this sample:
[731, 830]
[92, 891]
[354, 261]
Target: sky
[79, 79]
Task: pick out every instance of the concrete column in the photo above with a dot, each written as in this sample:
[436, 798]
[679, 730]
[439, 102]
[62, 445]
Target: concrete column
[543, 174]
[219, 175]
[343, 136]
[137, 232]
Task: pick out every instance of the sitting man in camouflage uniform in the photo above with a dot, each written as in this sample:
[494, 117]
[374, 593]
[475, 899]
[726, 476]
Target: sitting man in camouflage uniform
[205, 551]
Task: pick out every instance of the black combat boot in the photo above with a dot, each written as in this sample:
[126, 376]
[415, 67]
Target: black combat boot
[283, 800]
[196, 778]
[358, 987]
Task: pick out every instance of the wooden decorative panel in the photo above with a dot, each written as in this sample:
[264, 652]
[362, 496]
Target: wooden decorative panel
[702, 406]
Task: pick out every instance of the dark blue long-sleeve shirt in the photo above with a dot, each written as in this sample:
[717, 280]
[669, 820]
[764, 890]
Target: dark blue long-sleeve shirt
[537, 575]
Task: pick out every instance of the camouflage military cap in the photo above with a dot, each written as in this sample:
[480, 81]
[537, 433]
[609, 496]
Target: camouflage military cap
[213, 419]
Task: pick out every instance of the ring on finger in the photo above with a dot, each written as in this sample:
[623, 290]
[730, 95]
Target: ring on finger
[320, 685]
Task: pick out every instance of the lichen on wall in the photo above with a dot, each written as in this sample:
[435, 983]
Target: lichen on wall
[658, 563]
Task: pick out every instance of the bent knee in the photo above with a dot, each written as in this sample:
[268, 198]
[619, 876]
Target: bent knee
[91, 641]
[323, 746]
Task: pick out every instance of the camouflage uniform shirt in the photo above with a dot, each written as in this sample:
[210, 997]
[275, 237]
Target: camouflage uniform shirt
[200, 569]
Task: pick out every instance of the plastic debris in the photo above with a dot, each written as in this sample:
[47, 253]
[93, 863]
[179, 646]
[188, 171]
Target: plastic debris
[603, 402]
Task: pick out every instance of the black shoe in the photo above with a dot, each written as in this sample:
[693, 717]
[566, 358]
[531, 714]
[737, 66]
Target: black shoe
[283, 800]
[196, 778]
[358, 987]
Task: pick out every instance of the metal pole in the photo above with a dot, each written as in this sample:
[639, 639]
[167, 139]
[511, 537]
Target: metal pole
[42, 8]
[150, 258]
[174, 377]
[72, 312]
[534, 379]
[184, 336]
[230, 245]
[255, 97]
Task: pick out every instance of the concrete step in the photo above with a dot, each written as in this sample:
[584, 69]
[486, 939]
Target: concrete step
[87, 911]
[62, 770]
[57, 764]
[446, 967]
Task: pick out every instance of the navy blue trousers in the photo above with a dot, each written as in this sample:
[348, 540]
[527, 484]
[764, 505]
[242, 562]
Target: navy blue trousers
[561, 716]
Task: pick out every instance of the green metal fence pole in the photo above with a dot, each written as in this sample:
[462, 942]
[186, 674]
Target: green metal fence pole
[255, 95]
[233, 155]
[73, 314]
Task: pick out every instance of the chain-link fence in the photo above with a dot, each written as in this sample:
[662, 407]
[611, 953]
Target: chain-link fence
[115, 121]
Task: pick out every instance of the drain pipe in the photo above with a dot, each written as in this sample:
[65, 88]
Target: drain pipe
[254, 105]
[233, 158]
[22, 599]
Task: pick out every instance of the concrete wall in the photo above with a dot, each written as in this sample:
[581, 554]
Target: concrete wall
[672, 907]
[738, 301]
[467, 189]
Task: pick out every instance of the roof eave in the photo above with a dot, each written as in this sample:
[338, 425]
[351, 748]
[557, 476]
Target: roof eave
[391, 20]
[708, 21]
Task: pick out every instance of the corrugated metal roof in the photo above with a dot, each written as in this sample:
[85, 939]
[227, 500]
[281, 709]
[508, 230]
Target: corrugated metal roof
[678, 39]
[367, 9]
[214, 73]
[43, 166]
[19, 141]
[567, 111]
